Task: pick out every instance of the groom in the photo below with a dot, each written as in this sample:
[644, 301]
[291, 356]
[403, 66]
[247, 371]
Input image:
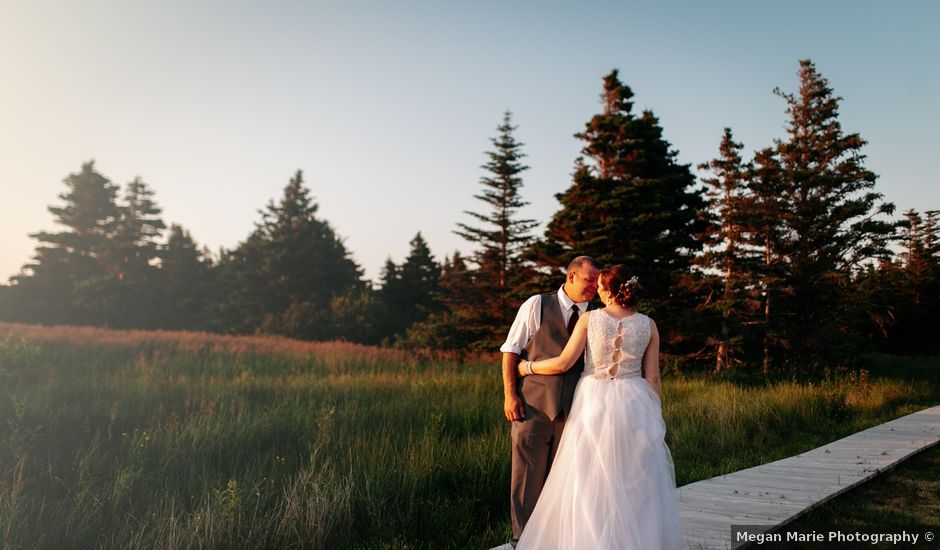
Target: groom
[538, 405]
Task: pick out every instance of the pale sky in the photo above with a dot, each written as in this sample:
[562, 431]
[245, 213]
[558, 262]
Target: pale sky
[388, 107]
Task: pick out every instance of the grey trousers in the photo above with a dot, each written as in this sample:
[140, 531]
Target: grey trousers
[534, 442]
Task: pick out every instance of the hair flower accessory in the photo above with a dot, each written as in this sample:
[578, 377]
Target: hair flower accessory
[630, 283]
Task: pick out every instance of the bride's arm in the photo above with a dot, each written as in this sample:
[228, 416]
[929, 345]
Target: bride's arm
[568, 357]
[651, 360]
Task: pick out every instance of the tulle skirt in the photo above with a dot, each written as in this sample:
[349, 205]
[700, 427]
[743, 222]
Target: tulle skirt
[612, 483]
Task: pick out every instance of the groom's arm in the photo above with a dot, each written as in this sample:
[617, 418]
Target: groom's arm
[513, 407]
[523, 328]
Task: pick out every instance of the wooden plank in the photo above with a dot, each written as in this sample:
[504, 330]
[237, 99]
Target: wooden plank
[709, 507]
[731, 491]
[754, 482]
[730, 514]
[862, 448]
[744, 498]
[818, 476]
[754, 497]
[725, 521]
[742, 503]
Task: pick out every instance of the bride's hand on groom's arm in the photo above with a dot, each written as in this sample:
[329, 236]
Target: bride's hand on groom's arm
[559, 365]
[520, 368]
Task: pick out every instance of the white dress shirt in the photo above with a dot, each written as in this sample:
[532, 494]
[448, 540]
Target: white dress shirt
[529, 318]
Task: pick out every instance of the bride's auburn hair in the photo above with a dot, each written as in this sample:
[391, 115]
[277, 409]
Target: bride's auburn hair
[622, 284]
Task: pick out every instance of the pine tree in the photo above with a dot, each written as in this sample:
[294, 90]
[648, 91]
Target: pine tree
[137, 231]
[389, 277]
[421, 274]
[67, 280]
[917, 302]
[283, 278]
[305, 255]
[729, 257]
[832, 224]
[457, 325]
[410, 291]
[458, 287]
[503, 235]
[631, 202]
[881, 288]
[766, 219]
[187, 275]
[914, 255]
[240, 301]
[931, 290]
[932, 236]
[131, 259]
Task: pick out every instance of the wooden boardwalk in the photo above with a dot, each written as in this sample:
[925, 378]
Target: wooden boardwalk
[776, 493]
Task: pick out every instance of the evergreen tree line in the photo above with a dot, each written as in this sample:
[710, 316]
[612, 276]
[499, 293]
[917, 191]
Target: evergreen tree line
[787, 257]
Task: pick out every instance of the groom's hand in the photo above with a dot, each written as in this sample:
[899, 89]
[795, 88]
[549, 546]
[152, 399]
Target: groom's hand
[513, 407]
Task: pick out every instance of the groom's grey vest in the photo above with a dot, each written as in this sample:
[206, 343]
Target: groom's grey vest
[550, 394]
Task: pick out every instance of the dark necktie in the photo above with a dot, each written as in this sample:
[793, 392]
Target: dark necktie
[573, 320]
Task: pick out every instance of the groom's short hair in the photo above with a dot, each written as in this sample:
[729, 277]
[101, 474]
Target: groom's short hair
[581, 261]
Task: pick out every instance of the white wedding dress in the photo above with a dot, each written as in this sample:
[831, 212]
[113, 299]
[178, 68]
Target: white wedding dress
[612, 483]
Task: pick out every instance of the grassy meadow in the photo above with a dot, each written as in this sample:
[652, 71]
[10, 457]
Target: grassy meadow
[183, 440]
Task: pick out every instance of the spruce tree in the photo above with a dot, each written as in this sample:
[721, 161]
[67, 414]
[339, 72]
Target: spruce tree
[389, 278]
[765, 230]
[137, 230]
[500, 238]
[457, 325]
[881, 287]
[932, 235]
[728, 258]
[67, 280]
[186, 275]
[421, 275]
[833, 221]
[631, 201]
[240, 302]
[410, 292]
[501, 235]
[283, 278]
[458, 287]
[914, 254]
[305, 256]
[917, 304]
[131, 259]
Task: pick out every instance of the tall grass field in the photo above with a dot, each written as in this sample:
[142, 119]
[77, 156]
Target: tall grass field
[123, 439]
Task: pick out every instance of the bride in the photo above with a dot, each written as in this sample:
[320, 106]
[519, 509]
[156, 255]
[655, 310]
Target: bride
[612, 483]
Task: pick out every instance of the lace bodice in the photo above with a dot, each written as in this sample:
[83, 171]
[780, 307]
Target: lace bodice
[615, 347]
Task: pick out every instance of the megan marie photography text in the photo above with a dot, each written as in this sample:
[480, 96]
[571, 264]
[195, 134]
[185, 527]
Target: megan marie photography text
[751, 535]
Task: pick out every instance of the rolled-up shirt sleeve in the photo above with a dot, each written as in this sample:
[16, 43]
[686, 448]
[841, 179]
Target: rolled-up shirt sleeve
[524, 326]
